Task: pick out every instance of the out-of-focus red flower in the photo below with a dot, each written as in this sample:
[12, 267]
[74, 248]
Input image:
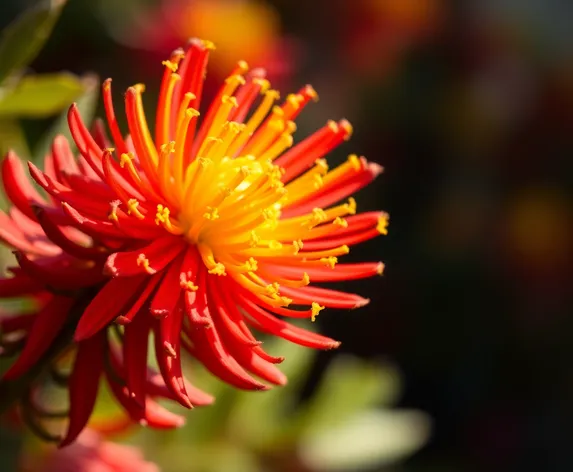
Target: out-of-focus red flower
[90, 453]
[240, 28]
[195, 235]
[377, 32]
[537, 252]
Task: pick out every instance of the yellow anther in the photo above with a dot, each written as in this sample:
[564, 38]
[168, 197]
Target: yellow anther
[290, 127]
[297, 245]
[210, 45]
[229, 99]
[329, 261]
[354, 162]
[132, 205]
[333, 125]
[305, 279]
[245, 171]
[322, 165]
[235, 127]
[294, 100]
[254, 239]
[277, 184]
[125, 158]
[382, 226]
[143, 261]
[347, 127]
[340, 222]
[168, 147]
[211, 214]
[274, 94]
[204, 162]
[161, 215]
[192, 112]
[170, 65]
[277, 124]
[271, 214]
[213, 140]
[243, 65]
[317, 216]
[113, 214]
[285, 301]
[263, 83]
[380, 268]
[189, 286]
[139, 88]
[286, 139]
[238, 79]
[274, 244]
[351, 206]
[267, 165]
[272, 289]
[251, 264]
[315, 310]
[226, 191]
[311, 92]
[218, 269]
[268, 214]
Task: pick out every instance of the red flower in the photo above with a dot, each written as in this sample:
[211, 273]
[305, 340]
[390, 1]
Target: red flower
[197, 235]
[90, 453]
[240, 28]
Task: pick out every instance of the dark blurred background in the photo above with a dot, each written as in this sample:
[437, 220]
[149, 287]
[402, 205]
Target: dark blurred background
[468, 105]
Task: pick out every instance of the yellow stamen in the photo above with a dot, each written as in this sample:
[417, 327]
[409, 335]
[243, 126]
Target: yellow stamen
[132, 205]
[164, 168]
[143, 261]
[297, 245]
[382, 226]
[113, 214]
[329, 261]
[254, 121]
[315, 310]
[188, 285]
[166, 112]
[162, 216]
[127, 159]
[189, 115]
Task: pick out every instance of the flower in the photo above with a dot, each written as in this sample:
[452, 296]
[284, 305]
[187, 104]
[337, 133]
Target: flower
[90, 453]
[240, 28]
[195, 235]
[377, 33]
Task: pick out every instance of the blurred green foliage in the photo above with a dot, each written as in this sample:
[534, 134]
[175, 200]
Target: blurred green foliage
[30, 96]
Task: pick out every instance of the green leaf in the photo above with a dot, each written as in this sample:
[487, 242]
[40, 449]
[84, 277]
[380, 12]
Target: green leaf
[87, 105]
[366, 441]
[12, 137]
[41, 95]
[349, 386]
[21, 41]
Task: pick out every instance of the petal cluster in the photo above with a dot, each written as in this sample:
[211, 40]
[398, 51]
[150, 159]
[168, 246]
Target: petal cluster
[91, 453]
[214, 225]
